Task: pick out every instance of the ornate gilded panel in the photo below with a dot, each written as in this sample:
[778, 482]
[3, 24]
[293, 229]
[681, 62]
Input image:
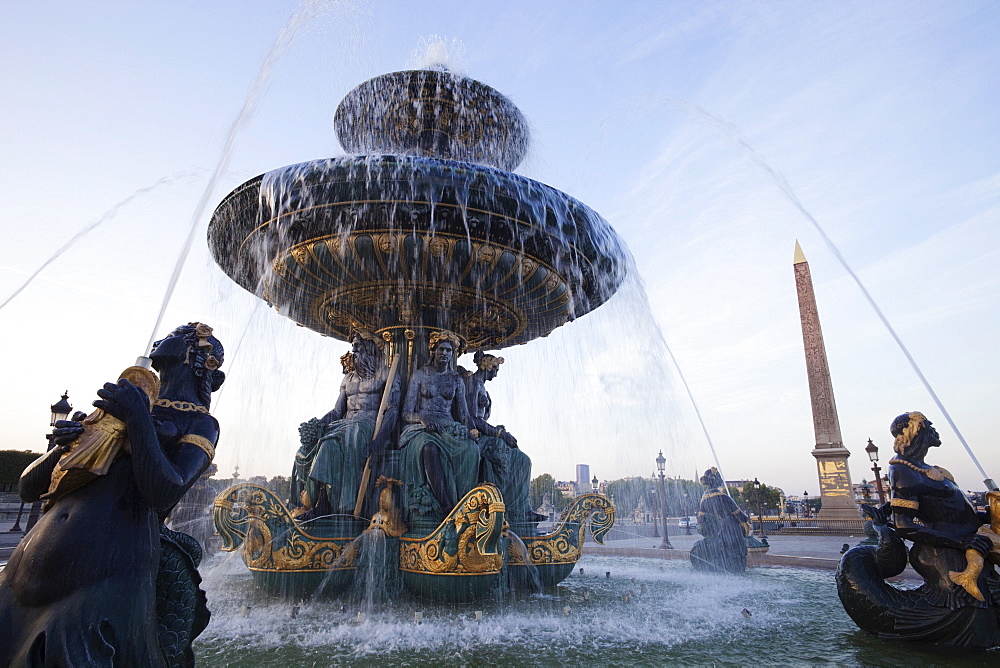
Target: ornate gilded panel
[253, 516]
[465, 543]
[564, 545]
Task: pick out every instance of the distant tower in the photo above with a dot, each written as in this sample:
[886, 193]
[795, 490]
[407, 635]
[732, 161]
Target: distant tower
[830, 453]
[582, 479]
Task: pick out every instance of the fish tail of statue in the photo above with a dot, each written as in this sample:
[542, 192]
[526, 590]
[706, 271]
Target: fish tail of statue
[967, 579]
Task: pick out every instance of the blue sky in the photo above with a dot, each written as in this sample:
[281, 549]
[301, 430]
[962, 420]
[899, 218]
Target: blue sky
[880, 116]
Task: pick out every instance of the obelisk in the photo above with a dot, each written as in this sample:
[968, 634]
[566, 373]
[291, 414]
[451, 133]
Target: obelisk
[830, 453]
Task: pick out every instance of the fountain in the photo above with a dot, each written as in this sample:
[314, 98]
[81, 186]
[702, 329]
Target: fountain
[423, 246]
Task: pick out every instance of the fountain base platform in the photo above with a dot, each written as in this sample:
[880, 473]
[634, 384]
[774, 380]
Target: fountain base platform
[471, 553]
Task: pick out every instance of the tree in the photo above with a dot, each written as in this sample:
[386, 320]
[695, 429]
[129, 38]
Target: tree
[814, 503]
[542, 486]
[683, 496]
[13, 463]
[280, 485]
[761, 498]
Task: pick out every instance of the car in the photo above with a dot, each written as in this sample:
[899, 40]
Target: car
[687, 522]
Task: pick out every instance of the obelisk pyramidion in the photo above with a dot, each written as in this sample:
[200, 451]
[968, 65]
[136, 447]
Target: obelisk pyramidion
[830, 453]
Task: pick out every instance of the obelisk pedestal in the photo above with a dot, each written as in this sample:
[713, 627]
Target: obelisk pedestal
[831, 455]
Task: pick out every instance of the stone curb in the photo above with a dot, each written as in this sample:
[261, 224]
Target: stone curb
[753, 560]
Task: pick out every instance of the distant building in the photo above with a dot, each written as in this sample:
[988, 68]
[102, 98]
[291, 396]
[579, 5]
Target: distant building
[547, 508]
[566, 487]
[738, 484]
[582, 478]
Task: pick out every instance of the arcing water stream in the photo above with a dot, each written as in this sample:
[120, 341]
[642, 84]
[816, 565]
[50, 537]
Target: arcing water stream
[732, 134]
[90, 227]
[307, 11]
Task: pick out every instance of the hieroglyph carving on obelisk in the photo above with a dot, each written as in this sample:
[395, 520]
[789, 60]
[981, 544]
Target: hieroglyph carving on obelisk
[830, 453]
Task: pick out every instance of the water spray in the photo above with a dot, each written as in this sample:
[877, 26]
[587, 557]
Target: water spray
[105, 217]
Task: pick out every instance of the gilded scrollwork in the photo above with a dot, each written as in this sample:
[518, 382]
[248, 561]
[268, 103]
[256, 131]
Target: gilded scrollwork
[564, 545]
[301, 253]
[465, 543]
[253, 516]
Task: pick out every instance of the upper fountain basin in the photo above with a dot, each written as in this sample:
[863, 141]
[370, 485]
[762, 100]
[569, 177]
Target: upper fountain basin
[432, 113]
[394, 242]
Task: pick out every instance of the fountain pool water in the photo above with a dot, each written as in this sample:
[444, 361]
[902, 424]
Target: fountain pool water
[672, 615]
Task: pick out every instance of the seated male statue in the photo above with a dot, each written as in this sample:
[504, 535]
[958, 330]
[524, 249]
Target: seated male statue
[329, 464]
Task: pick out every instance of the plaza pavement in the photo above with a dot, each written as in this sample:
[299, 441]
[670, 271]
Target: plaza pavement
[822, 552]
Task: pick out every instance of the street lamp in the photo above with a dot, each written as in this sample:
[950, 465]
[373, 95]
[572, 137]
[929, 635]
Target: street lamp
[872, 451]
[661, 462]
[594, 483]
[687, 513]
[59, 411]
[755, 487]
[652, 492]
[805, 504]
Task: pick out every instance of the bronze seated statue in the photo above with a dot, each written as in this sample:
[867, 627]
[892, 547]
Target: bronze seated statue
[724, 527]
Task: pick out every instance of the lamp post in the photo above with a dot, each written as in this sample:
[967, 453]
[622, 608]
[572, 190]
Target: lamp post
[805, 504]
[656, 531]
[595, 483]
[687, 513]
[661, 462]
[58, 411]
[872, 451]
[755, 487]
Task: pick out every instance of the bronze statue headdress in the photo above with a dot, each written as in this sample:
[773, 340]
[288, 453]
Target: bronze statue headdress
[485, 361]
[905, 428]
[446, 335]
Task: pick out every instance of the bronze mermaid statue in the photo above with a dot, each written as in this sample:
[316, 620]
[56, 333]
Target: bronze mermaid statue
[953, 550]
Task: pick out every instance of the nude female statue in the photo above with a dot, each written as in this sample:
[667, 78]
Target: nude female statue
[440, 461]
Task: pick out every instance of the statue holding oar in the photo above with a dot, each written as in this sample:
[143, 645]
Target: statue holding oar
[336, 448]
